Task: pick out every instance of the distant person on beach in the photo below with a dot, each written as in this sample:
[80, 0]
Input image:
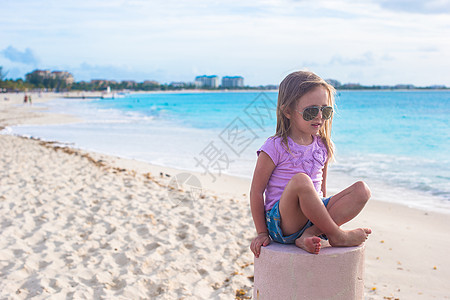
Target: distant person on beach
[291, 173]
[25, 99]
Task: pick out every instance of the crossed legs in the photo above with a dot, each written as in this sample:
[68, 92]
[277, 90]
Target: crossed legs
[300, 203]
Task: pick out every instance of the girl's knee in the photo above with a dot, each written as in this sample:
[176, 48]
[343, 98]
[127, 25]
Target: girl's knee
[301, 180]
[363, 191]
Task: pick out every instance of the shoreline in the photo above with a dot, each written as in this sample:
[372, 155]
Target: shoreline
[48, 177]
[14, 112]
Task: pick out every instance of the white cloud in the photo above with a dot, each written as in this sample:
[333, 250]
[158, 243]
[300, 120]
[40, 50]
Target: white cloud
[26, 57]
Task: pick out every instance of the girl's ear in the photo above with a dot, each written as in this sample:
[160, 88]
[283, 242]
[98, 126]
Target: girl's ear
[286, 111]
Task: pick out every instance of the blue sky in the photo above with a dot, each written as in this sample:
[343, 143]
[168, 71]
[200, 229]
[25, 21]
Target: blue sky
[368, 41]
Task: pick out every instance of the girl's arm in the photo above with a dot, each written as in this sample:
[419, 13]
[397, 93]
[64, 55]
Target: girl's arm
[263, 171]
[324, 180]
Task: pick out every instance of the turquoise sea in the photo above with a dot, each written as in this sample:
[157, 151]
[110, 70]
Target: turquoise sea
[395, 140]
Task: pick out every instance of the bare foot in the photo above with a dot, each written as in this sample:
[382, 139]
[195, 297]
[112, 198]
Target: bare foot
[348, 238]
[309, 243]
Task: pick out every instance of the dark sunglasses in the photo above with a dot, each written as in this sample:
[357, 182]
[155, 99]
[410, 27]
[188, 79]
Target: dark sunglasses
[311, 112]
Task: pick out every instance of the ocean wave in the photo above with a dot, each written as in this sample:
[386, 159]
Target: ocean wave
[411, 173]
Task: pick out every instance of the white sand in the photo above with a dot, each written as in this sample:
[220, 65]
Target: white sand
[87, 225]
[71, 227]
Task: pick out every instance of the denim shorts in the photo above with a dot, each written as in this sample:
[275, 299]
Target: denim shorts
[273, 221]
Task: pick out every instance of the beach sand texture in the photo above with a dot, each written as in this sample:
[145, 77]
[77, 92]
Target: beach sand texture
[76, 224]
[73, 227]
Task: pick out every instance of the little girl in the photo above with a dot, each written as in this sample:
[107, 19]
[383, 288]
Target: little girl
[292, 170]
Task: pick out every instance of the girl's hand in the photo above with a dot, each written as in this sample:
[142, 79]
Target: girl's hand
[262, 239]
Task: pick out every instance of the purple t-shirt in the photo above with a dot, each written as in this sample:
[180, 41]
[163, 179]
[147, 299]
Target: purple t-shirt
[308, 159]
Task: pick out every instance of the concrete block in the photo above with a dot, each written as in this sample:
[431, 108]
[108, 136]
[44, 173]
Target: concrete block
[288, 272]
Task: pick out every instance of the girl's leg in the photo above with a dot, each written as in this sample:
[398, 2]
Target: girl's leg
[346, 205]
[342, 208]
[300, 202]
[293, 211]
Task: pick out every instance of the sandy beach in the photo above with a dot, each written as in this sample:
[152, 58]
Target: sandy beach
[78, 224]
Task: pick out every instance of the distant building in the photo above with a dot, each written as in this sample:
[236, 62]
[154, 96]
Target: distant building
[41, 76]
[437, 87]
[42, 73]
[63, 75]
[211, 81]
[404, 86]
[150, 83]
[232, 82]
[178, 84]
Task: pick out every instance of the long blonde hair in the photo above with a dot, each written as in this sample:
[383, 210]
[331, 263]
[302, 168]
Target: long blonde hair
[291, 89]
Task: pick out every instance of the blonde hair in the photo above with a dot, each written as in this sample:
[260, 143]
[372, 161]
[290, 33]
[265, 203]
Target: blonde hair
[291, 89]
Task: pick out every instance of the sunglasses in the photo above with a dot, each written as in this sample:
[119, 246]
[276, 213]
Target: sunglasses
[311, 112]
